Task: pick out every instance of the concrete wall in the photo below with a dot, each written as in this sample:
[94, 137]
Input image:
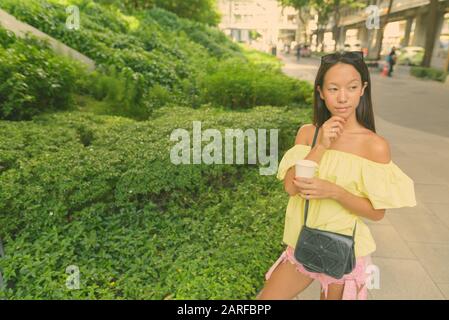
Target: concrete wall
[20, 29]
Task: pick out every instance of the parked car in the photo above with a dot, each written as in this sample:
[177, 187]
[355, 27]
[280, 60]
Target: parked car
[410, 56]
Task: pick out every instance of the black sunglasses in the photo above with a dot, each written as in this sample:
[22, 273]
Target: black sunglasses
[355, 55]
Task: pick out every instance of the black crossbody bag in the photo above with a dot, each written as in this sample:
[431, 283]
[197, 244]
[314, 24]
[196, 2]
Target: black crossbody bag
[324, 251]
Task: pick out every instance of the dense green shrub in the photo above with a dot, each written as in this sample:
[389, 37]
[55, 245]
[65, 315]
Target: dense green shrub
[261, 58]
[237, 85]
[33, 79]
[124, 92]
[6, 38]
[165, 53]
[210, 38]
[103, 36]
[203, 11]
[428, 73]
[162, 56]
[100, 192]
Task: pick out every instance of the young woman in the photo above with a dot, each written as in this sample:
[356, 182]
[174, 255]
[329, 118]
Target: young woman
[356, 178]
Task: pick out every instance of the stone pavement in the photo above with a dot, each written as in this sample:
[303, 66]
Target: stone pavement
[412, 243]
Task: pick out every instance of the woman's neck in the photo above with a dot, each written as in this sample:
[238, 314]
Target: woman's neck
[352, 125]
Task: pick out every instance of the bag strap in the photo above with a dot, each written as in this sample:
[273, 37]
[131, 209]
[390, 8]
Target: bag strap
[307, 200]
[306, 210]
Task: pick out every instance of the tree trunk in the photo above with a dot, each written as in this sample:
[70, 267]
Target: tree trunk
[320, 38]
[430, 33]
[336, 29]
[302, 36]
[298, 27]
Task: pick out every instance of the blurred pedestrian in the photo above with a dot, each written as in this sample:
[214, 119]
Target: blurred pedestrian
[273, 49]
[391, 59]
[298, 51]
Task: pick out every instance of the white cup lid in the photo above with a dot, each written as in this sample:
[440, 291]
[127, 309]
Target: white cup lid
[307, 163]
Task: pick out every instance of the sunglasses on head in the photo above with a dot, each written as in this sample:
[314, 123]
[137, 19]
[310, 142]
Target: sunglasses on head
[355, 55]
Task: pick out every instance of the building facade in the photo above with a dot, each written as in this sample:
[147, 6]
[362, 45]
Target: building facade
[262, 22]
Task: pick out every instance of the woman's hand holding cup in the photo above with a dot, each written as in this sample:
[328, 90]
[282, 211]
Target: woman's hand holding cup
[304, 169]
[310, 187]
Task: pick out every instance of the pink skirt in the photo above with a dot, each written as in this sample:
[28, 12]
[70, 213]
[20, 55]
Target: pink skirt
[354, 282]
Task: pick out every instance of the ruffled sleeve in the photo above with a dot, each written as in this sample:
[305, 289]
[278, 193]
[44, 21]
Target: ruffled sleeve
[387, 186]
[298, 152]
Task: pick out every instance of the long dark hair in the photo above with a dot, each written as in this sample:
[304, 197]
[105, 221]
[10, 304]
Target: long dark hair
[364, 111]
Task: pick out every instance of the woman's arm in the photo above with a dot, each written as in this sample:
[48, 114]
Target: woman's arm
[359, 205]
[380, 152]
[315, 154]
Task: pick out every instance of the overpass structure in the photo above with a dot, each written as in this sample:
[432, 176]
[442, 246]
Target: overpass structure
[415, 15]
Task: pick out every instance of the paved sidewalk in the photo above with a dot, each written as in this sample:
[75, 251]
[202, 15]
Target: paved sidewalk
[412, 243]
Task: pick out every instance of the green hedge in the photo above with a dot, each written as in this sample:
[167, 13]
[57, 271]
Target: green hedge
[153, 58]
[33, 79]
[208, 37]
[156, 54]
[261, 58]
[428, 73]
[99, 192]
[237, 85]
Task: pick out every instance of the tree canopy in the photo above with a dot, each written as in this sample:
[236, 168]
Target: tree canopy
[204, 11]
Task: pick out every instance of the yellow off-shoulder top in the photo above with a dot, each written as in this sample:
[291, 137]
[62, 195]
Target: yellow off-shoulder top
[385, 185]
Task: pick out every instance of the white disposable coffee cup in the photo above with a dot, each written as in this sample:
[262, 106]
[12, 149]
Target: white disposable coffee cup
[305, 168]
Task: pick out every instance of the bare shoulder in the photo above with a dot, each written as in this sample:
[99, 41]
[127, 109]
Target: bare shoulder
[379, 148]
[305, 134]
